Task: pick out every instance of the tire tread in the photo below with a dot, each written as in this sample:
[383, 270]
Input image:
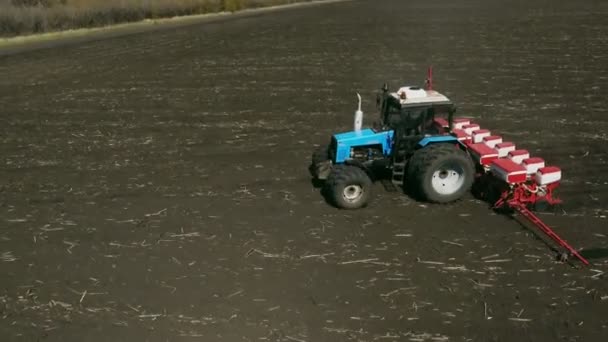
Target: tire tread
[346, 174]
[423, 159]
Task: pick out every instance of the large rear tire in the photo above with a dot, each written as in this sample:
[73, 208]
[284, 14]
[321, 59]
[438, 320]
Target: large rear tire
[348, 187]
[441, 173]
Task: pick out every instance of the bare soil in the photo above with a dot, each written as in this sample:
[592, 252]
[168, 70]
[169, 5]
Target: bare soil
[154, 187]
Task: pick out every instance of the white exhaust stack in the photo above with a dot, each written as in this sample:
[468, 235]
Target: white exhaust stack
[358, 116]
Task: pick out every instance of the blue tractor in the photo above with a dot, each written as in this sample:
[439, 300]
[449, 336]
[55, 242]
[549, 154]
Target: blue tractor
[412, 145]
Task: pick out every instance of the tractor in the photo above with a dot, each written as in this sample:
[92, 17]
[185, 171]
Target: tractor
[411, 144]
[420, 146]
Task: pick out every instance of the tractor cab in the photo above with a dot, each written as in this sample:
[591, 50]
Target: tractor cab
[411, 111]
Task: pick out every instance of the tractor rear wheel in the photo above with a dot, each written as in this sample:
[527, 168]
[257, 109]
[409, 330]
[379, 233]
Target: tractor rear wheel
[348, 187]
[441, 173]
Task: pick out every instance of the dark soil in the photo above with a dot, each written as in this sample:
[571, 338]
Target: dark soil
[154, 187]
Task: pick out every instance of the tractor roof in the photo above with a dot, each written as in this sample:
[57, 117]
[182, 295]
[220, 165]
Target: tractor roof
[416, 96]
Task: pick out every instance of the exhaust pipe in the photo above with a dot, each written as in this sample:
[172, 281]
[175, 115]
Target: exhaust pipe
[358, 116]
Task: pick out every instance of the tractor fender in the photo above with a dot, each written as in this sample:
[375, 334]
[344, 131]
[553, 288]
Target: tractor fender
[426, 141]
[442, 139]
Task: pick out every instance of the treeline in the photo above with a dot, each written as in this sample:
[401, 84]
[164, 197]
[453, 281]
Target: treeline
[21, 17]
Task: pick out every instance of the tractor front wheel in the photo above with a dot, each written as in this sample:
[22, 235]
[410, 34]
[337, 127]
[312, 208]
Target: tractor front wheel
[441, 173]
[348, 187]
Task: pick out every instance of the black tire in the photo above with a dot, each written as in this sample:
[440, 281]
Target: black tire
[440, 173]
[348, 187]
